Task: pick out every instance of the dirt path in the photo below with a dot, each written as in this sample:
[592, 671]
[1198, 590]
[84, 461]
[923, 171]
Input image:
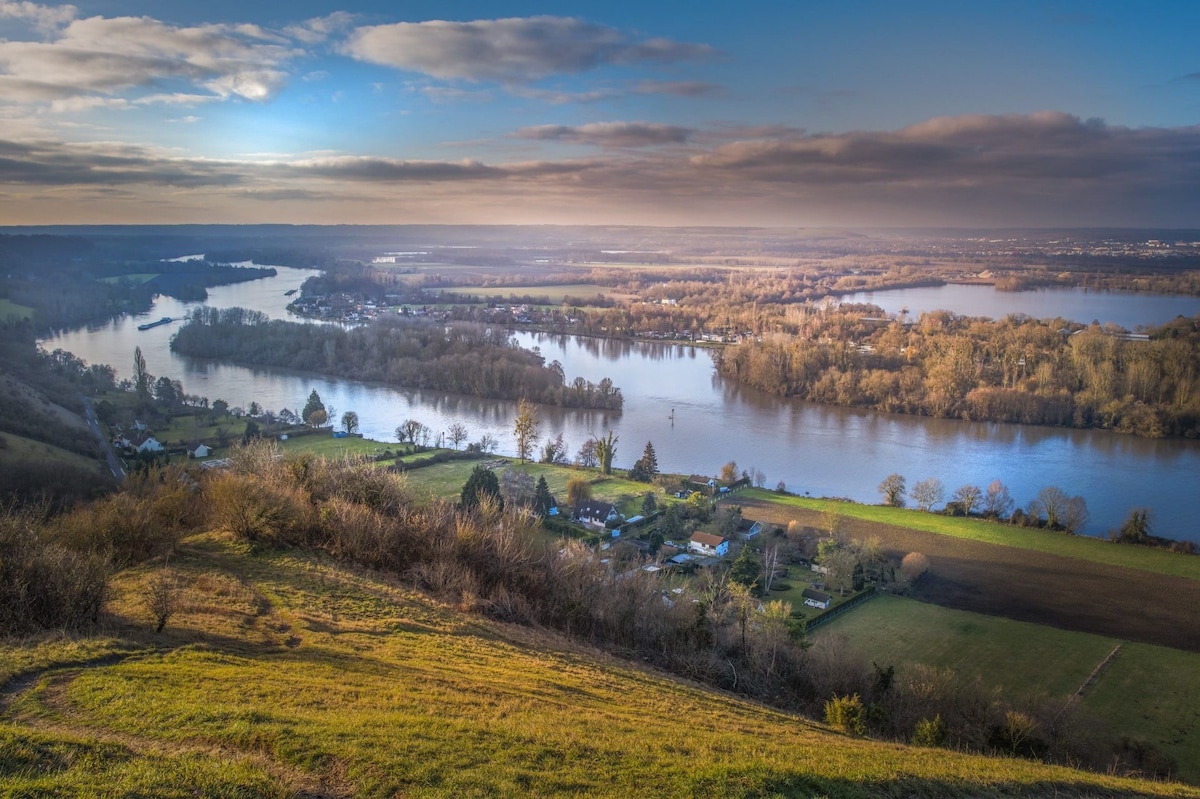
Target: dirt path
[50, 688]
[1031, 586]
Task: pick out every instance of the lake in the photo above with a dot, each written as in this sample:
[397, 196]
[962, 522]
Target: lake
[698, 421]
[1077, 304]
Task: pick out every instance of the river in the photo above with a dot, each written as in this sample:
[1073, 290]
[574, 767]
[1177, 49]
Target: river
[697, 421]
[1128, 310]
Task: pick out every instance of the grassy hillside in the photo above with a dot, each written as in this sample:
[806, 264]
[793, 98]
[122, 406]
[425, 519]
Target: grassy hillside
[284, 675]
[1147, 692]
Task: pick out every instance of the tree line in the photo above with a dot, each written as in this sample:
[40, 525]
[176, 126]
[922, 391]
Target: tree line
[421, 354]
[1014, 369]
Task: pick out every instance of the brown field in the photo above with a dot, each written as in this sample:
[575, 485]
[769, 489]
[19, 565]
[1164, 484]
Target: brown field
[1031, 586]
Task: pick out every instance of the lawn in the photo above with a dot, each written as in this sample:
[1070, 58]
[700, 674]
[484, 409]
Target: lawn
[326, 446]
[1148, 692]
[1081, 547]
[286, 675]
[1018, 655]
[445, 480]
[9, 309]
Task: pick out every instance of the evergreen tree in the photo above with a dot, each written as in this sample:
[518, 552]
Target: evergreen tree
[649, 504]
[646, 467]
[745, 569]
[542, 500]
[481, 483]
[314, 404]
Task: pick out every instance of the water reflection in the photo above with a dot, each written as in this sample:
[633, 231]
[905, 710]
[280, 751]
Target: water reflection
[821, 450]
[1126, 309]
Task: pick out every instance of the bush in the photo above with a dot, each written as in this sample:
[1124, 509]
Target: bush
[930, 732]
[44, 585]
[847, 714]
[914, 566]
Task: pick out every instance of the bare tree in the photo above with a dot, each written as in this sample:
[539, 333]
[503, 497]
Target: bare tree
[968, 497]
[1076, 515]
[1051, 501]
[892, 488]
[928, 493]
[586, 456]
[770, 564]
[457, 433]
[525, 429]
[161, 596]
[997, 502]
[760, 477]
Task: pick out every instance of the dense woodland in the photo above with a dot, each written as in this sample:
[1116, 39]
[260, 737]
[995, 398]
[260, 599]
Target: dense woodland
[418, 354]
[1011, 370]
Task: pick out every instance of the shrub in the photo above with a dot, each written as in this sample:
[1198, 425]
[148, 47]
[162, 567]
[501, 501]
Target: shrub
[930, 732]
[914, 566]
[847, 714]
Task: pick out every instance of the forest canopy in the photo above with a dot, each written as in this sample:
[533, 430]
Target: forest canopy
[460, 358]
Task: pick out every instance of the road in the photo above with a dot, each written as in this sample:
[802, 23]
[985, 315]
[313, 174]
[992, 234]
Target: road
[110, 455]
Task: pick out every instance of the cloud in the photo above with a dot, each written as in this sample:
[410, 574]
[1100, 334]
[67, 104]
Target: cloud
[1035, 148]
[609, 134]
[678, 88]
[1044, 169]
[106, 57]
[513, 50]
[44, 18]
[319, 29]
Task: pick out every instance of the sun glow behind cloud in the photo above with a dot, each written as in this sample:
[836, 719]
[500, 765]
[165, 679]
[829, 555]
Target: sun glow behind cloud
[523, 119]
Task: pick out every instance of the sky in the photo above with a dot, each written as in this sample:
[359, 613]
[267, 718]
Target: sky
[859, 113]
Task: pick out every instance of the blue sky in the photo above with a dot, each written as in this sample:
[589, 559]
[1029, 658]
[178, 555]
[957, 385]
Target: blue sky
[801, 113]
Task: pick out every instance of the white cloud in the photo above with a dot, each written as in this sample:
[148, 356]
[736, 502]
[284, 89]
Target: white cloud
[319, 29]
[44, 18]
[512, 50]
[118, 57]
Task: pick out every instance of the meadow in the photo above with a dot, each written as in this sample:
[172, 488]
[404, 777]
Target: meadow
[1147, 692]
[10, 309]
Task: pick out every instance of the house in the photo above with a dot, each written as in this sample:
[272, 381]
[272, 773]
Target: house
[199, 451]
[705, 544]
[750, 532]
[596, 513]
[816, 599]
[144, 442]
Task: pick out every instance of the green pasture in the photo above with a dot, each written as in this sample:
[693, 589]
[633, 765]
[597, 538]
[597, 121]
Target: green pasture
[10, 309]
[1071, 546]
[1147, 692]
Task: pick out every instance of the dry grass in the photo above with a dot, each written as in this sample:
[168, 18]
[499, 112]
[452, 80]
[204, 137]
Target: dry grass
[285, 674]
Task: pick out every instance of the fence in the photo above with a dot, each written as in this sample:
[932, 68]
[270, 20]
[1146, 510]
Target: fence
[824, 618]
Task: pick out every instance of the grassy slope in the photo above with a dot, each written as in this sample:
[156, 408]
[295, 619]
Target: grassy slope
[19, 451]
[1147, 692]
[287, 674]
[8, 309]
[1081, 547]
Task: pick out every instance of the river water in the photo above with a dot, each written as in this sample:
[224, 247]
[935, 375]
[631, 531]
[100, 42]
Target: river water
[1077, 304]
[697, 421]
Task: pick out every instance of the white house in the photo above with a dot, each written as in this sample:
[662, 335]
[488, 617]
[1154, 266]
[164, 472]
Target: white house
[149, 444]
[200, 451]
[710, 545]
[596, 513]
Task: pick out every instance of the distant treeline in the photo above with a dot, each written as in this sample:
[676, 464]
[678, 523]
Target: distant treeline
[70, 281]
[459, 358]
[1011, 370]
